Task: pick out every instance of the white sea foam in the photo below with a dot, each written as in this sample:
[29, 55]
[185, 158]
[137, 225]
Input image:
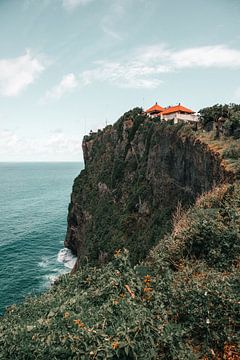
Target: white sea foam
[50, 279]
[66, 257]
[54, 266]
[44, 262]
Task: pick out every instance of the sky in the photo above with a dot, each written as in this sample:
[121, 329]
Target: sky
[71, 66]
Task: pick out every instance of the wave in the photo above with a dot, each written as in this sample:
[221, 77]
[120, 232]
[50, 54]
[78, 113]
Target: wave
[45, 262]
[66, 257]
[54, 266]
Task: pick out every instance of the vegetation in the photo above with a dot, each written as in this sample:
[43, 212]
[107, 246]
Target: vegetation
[226, 147]
[226, 117]
[183, 302]
[125, 213]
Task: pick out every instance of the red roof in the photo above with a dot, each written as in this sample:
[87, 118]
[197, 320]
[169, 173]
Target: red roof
[156, 108]
[177, 108]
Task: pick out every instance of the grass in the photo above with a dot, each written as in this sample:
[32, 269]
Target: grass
[227, 147]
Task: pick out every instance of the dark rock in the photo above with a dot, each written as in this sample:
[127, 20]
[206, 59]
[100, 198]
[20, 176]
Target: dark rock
[136, 173]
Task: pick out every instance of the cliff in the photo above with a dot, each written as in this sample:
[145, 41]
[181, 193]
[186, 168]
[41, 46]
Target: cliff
[136, 173]
[182, 301]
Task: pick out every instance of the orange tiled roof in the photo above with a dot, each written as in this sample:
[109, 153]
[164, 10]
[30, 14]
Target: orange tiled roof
[177, 108]
[155, 107]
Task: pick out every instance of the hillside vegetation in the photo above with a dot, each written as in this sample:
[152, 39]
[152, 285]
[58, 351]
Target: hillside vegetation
[181, 302]
[220, 129]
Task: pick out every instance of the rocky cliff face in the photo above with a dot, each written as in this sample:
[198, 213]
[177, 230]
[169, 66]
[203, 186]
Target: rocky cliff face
[136, 173]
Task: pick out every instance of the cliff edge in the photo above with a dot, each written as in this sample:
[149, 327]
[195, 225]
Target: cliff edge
[136, 173]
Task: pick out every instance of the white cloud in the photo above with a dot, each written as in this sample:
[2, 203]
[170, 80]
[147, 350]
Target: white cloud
[72, 4]
[219, 56]
[18, 73]
[133, 74]
[8, 139]
[55, 145]
[60, 143]
[145, 66]
[66, 85]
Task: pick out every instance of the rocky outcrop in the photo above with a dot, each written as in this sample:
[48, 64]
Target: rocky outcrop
[136, 173]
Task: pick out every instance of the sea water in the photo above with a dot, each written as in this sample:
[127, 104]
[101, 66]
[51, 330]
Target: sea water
[34, 200]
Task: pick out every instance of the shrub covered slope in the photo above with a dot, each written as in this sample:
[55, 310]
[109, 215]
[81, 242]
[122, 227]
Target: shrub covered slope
[181, 303]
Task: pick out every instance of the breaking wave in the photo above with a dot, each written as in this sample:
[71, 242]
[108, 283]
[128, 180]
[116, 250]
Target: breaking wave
[66, 257]
[54, 266]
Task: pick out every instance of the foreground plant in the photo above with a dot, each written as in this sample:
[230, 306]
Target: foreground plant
[183, 302]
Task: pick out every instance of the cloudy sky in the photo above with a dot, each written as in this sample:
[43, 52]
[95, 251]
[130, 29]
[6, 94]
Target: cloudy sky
[69, 66]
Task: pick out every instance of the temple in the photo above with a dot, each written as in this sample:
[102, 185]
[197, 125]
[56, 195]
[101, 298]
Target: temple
[155, 110]
[178, 113]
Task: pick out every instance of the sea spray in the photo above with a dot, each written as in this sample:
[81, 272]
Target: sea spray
[66, 257]
[55, 266]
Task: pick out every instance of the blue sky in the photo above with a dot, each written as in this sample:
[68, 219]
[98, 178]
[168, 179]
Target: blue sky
[71, 66]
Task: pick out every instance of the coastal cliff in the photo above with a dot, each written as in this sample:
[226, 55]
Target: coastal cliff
[181, 302]
[136, 173]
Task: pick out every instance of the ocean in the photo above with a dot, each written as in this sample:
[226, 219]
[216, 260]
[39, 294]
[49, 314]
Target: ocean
[34, 200]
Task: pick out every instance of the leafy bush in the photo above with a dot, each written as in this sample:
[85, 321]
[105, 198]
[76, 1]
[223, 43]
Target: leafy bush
[231, 114]
[212, 231]
[131, 114]
[210, 114]
[118, 171]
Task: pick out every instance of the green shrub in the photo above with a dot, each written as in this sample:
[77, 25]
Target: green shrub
[233, 152]
[181, 303]
[118, 312]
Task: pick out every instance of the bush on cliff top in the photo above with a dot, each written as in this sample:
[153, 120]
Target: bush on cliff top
[179, 304]
[230, 114]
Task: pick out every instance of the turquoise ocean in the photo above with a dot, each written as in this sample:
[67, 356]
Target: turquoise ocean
[34, 200]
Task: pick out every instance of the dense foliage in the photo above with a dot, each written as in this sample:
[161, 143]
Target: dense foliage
[229, 116]
[125, 206]
[183, 302]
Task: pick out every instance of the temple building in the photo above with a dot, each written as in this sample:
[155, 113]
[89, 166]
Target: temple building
[178, 113]
[155, 110]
